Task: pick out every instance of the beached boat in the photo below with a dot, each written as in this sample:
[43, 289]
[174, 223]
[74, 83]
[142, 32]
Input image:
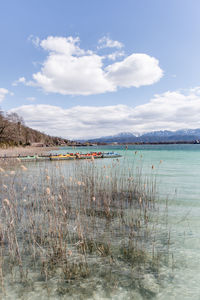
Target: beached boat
[70, 156]
[62, 157]
[28, 158]
[90, 155]
[33, 158]
[45, 157]
[110, 155]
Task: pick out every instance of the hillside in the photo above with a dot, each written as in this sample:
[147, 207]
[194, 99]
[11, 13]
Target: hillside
[14, 132]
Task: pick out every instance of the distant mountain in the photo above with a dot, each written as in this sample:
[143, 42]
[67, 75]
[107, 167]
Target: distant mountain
[123, 135]
[182, 132]
[183, 135]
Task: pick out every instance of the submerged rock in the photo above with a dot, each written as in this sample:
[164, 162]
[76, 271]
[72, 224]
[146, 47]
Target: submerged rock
[149, 284]
[135, 295]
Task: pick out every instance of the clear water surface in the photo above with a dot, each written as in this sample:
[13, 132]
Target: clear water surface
[177, 171]
[177, 168]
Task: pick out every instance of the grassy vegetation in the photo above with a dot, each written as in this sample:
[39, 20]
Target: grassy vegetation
[78, 229]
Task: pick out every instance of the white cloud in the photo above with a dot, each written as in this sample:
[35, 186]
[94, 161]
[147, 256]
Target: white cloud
[35, 40]
[70, 70]
[106, 42]
[18, 81]
[3, 93]
[168, 111]
[115, 55]
[135, 70]
[68, 46]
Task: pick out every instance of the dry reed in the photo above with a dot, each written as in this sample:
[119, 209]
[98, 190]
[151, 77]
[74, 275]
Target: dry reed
[84, 222]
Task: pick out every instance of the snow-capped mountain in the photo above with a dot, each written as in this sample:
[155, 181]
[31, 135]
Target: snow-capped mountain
[120, 135]
[184, 135]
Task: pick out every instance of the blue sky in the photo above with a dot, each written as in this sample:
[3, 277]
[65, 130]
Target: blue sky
[91, 68]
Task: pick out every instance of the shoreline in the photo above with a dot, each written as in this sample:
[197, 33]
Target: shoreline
[29, 150]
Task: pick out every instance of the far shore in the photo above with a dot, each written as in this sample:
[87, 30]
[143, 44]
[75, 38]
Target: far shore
[23, 151]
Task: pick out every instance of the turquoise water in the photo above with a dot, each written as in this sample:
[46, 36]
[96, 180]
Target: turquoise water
[177, 169]
[177, 172]
[176, 166]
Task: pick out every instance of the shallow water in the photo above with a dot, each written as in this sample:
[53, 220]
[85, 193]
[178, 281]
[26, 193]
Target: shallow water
[177, 172]
[178, 179]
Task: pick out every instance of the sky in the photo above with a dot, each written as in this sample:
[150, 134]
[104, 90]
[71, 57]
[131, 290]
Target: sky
[83, 69]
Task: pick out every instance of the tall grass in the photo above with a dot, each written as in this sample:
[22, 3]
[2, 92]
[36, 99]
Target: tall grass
[77, 227]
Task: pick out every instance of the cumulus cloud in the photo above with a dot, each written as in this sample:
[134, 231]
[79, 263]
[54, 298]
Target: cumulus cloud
[168, 111]
[70, 70]
[135, 70]
[106, 42]
[3, 93]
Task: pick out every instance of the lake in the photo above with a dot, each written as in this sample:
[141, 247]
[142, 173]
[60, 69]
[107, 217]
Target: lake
[178, 179]
[176, 171]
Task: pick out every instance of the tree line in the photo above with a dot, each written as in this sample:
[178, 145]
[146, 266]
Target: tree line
[14, 132]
